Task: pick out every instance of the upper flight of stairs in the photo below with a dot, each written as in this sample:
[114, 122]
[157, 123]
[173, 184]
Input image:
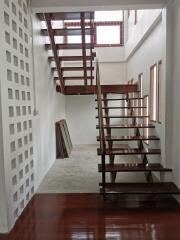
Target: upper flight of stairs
[74, 72]
[64, 66]
[130, 116]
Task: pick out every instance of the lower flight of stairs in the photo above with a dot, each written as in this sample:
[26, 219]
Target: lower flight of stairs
[129, 118]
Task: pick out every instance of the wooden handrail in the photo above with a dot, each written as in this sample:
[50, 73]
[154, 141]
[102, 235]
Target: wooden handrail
[100, 111]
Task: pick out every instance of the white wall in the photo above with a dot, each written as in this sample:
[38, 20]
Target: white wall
[80, 115]
[175, 82]
[150, 50]
[50, 106]
[137, 33]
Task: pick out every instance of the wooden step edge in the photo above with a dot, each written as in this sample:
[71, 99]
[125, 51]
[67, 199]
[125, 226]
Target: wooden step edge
[125, 126]
[67, 46]
[129, 151]
[119, 99]
[128, 116]
[76, 69]
[130, 138]
[71, 58]
[154, 167]
[122, 107]
[141, 188]
[76, 78]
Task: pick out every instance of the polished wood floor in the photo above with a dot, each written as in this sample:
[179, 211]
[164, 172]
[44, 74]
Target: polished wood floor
[88, 216]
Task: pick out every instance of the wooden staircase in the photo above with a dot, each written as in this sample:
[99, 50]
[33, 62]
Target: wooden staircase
[74, 74]
[70, 75]
[132, 115]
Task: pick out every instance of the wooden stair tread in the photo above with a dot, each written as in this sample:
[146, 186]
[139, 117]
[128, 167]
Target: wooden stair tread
[127, 116]
[129, 151]
[65, 46]
[118, 99]
[76, 78]
[72, 58]
[122, 107]
[142, 188]
[66, 15]
[76, 68]
[154, 167]
[67, 32]
[122, 126]
[129, 138]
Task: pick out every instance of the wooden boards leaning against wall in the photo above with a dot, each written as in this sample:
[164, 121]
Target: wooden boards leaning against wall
[63, 140]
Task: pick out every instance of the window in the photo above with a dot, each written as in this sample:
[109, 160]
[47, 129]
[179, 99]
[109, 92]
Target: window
[107, 35]
[140, 101]
[153, 93]
[159, 89]
[135, 17]
[108, 29]
[146, 120]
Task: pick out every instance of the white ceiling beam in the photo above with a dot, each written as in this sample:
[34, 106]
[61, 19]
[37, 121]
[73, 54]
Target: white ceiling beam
[91, 5]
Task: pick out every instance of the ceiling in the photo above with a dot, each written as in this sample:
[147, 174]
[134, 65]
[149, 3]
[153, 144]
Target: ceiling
[87, 5]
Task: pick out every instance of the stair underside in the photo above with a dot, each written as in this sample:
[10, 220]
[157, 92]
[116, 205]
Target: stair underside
[129, 151]
[123, 126]
[75, 90]
[141, 188]
[154, 167]
[129, 138]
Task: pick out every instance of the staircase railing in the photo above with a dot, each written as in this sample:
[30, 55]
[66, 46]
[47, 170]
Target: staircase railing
[83, 36]
[91, 43]
[100, 111]
[47, 18]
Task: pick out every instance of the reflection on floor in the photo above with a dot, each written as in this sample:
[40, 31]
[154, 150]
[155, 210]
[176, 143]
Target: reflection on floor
[88, 216]
[79, 173]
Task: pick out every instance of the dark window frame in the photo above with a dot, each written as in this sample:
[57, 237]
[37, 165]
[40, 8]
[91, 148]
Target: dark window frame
[159, 89]
[153, 95]
[101, 23]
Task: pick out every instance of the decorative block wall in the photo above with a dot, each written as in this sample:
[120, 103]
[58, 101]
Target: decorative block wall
[17, 105]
